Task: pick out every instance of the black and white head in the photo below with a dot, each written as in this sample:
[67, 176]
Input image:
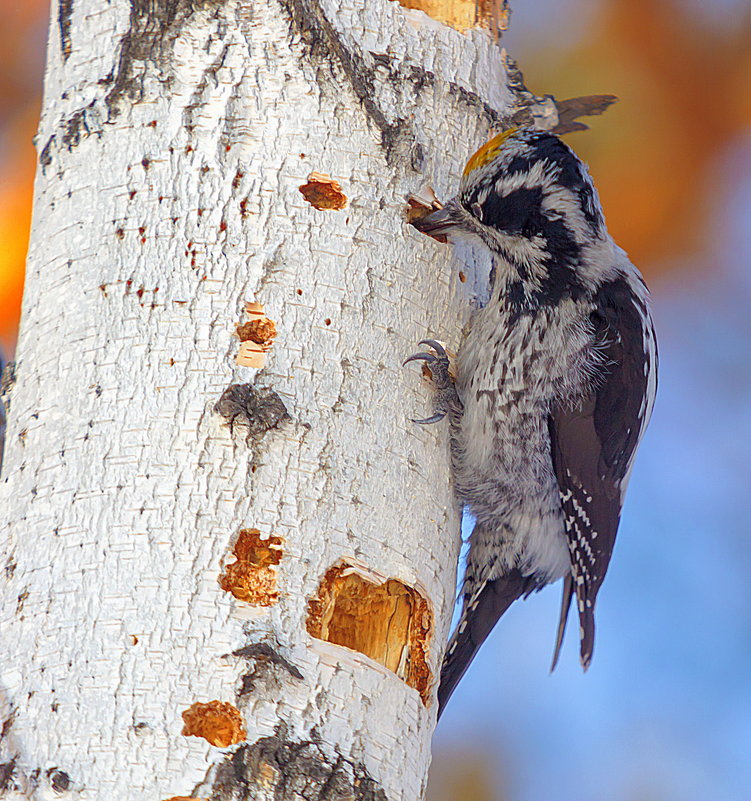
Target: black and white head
[528, 197]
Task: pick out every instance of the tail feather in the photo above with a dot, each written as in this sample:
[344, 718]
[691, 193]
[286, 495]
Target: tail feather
[479, 616]
[586, 626]
[568, 592]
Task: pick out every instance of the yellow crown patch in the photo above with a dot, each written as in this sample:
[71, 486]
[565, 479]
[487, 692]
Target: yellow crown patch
[488, 151]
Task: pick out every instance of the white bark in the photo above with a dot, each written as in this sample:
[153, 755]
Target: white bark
[172, 149]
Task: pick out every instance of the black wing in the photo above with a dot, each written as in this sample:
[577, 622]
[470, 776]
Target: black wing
[593, 447]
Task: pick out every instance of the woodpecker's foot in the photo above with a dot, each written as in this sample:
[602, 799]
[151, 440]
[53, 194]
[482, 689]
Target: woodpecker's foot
[439, 367]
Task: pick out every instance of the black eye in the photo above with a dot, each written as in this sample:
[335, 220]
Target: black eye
[531, 228]
[477, 211]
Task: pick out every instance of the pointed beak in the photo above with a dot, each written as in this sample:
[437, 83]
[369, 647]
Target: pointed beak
[437, 224]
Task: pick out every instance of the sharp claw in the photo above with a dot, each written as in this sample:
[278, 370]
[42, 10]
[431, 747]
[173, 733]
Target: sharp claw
[432, 343]
[430, 358]
[436, 418]
[427, 357]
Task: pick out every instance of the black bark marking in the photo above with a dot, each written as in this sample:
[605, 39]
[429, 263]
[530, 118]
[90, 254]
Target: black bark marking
[21, 600]
[258, 409]
[45, 157]
[264, 658]
[154, 26]
[470, 99]
[75, 128]
[7, 723]
[311, 24]
[316, 31]
[261, 651]
[71, 132]
[59, 780]
[300, 769]
[7, 380]
[64, 13]
[7, 769]
[209, 80]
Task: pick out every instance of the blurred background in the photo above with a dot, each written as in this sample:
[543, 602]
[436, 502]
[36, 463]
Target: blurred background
[664, 713]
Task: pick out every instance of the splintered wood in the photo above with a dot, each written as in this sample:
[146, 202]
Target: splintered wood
[252, 578]
[421, 205]
[323, 192]
[256, 337]
[387, 621]
[217, 722]
[465, 14]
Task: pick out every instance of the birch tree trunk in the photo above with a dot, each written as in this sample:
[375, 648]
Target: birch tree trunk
[228, 556]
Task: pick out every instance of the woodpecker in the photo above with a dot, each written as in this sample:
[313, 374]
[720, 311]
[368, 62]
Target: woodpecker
[554, 386]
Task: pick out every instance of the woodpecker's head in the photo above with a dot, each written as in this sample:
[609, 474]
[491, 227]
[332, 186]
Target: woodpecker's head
[529, 198]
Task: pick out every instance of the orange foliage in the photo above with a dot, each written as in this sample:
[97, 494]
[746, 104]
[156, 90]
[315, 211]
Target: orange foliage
[15, 218]
[22, 42]
[683, 84]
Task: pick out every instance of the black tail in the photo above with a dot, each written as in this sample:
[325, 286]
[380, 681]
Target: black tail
[476, 623]
[568, 591]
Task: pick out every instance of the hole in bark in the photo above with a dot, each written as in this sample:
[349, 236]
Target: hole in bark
[217, 722]
[256, 336]
[260, 330]
[252, 578]
[422, 204]
[381, 618]
[323, 192]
